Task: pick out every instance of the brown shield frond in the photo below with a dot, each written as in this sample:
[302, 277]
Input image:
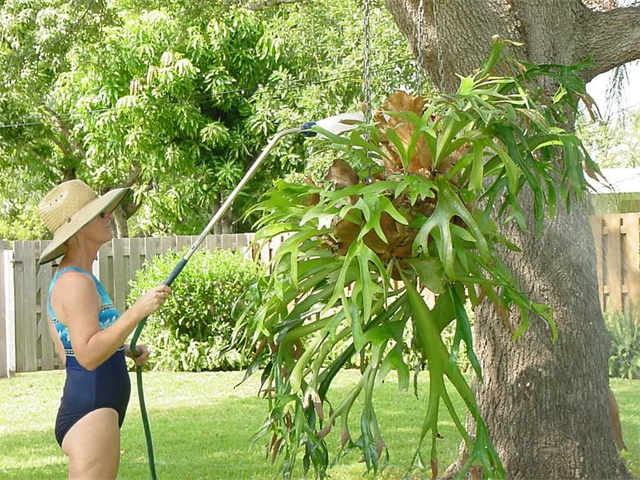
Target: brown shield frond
[421, 159]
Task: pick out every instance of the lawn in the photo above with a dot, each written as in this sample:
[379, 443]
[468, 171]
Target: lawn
[202, 424]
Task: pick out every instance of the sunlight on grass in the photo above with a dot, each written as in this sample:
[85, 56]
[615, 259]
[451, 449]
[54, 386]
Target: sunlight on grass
[203, 423]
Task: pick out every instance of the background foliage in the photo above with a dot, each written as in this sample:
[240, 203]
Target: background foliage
[192, 331]
[175, 100]
[613, 142]
[624, 329]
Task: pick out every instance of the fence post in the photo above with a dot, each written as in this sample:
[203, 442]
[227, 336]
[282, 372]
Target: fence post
[7, 316]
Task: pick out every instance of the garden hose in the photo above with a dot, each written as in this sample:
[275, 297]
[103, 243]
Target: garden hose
[145, 423]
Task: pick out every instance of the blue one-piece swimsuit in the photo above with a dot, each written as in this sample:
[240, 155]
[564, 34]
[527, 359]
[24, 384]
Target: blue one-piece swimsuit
[108, 386]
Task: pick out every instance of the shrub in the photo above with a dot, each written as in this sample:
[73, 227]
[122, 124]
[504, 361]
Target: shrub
[192, 331]
[624, 330]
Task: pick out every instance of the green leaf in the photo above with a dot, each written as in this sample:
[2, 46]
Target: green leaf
[430, 273]
[395, 359]
[477, 169]
[463, 332]
[449, 205]
[388, 207]
[417, 187]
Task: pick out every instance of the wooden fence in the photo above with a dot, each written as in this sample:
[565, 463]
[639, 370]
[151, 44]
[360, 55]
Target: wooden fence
[617, 238]
[25, 344]
[116, 265]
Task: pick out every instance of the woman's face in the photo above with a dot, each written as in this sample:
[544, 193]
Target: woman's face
[99, 229]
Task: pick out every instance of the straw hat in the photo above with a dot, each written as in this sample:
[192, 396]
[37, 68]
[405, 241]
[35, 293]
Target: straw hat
[68, 208]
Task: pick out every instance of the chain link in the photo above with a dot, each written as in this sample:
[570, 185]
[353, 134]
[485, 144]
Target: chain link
[366, 74]
[420, 46]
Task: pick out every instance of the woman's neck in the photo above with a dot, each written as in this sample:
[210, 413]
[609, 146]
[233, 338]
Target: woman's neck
[80, 257]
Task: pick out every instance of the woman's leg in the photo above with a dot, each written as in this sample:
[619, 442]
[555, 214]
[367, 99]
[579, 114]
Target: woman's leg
[93, 446]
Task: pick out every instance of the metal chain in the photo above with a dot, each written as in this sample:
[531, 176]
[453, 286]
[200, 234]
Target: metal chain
[366, 73]
[436, 16]
[420, 46]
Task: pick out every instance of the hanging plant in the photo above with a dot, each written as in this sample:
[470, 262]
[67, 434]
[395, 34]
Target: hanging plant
[412, 196]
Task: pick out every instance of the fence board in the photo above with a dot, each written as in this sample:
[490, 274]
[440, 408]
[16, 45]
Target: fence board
[119, 275]
[47, 359]
[4, 299]
[18, 279]
[26, 322]
[612, 271]
[617, 241]
[630, 230]
[151, 248]
[184, 241]
[212, 242]
[7, 317]
[105, 267]
[136, 256]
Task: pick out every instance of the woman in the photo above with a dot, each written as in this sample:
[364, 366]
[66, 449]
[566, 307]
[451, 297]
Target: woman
[88, 331]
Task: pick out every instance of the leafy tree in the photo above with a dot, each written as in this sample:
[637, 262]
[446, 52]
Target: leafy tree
[175, 101]
[175, 111]
[36, 145]
[18, 216]
[614, 142]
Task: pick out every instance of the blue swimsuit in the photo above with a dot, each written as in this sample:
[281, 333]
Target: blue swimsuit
[108, 386]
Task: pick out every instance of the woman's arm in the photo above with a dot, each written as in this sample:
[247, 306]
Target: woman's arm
[77, 305]
[57, 343]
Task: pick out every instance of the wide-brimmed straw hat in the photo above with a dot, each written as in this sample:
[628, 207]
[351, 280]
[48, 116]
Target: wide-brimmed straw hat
[69, 207]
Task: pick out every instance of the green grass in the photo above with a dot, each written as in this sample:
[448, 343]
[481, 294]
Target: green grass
[202, 426]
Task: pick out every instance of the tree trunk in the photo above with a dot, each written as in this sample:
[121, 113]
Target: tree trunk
[120, 223]
[225, 225]
[545, 404]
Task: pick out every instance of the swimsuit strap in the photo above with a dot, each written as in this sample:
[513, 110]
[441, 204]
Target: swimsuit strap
[99, 286]
[55, 279]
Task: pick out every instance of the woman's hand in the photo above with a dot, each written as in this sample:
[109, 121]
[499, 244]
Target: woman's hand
[143, 354]
[151, 301]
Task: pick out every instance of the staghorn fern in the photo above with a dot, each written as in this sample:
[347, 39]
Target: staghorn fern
[411, 197]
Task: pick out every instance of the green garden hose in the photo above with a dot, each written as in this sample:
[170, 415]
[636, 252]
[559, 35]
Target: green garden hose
[145, 423]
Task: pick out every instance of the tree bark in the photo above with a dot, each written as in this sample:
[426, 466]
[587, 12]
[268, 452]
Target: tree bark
[545, 404]
[120, 226]
[225, 225]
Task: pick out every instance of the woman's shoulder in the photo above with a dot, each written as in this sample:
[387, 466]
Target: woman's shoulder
[74, 280]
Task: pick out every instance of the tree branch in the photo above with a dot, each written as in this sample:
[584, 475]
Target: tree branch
[133, 176]
[42, 159]
[129, 206]
[61, 145]
[612, 38]
[64, 130]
